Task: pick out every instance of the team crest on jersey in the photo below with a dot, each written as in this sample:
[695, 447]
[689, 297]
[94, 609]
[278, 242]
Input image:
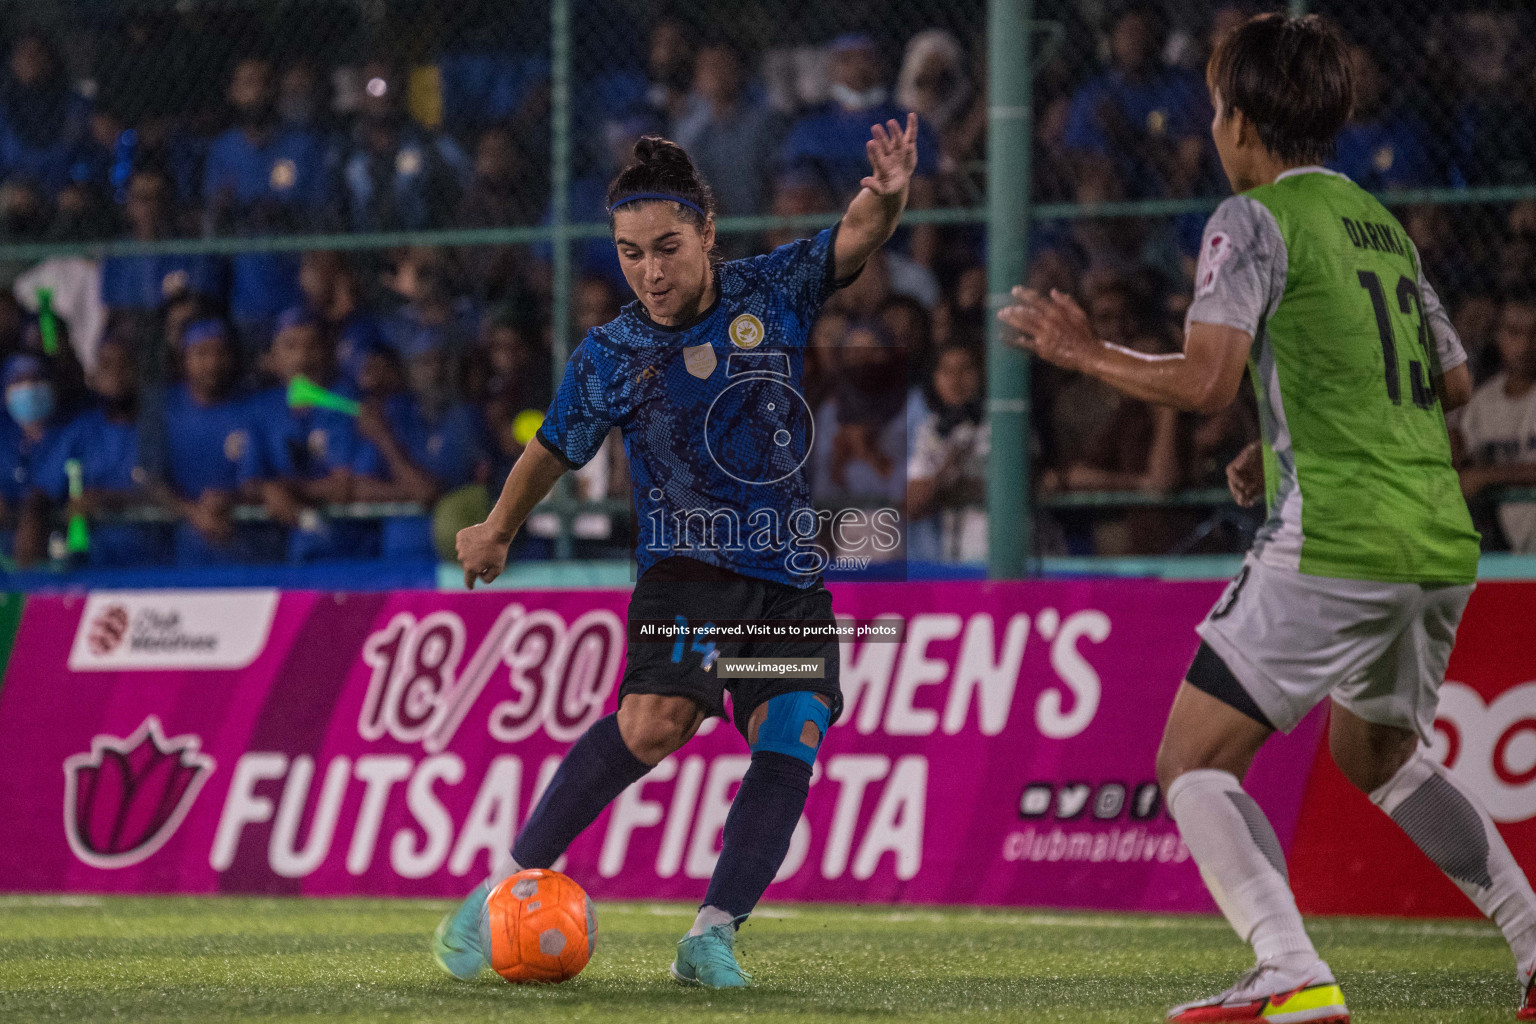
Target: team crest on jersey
[235, 444]
[700, 359]
[747, 331]
[1216, 251]
[319, 443]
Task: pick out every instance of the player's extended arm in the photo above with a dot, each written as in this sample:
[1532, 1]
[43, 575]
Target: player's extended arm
[482, 548]
[1203, 378]
[871, 218]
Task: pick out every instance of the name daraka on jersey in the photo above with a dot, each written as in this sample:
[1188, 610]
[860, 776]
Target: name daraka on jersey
[1380, 237]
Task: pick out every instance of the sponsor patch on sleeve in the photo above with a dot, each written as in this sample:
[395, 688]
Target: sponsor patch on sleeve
[1216, 251]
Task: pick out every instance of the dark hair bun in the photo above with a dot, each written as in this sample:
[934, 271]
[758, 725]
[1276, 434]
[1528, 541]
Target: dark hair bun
[662, 166]
[659, 153]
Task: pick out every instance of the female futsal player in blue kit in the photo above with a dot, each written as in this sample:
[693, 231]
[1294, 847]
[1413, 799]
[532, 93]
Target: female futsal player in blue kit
[702, 373]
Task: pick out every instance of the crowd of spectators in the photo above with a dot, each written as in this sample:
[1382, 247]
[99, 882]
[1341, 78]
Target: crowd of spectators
[159, 382]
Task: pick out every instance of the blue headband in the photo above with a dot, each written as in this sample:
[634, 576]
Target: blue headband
[658, 195]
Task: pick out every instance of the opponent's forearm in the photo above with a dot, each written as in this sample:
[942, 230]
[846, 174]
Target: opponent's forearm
[1166, 379]
[534, 473]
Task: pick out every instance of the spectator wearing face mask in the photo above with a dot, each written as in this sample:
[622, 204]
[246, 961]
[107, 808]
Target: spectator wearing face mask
[947, 471]
[830, 141]
[29, 429]
[105, 442]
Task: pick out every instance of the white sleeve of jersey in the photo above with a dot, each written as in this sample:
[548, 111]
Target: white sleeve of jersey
[1448, 348]
[1241, 273]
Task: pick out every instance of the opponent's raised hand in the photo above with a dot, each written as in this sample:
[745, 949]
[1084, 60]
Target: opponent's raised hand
[1053, 327]
[892, 156]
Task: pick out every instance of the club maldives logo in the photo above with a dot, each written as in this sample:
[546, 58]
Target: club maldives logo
[125, 798]
[126, 631]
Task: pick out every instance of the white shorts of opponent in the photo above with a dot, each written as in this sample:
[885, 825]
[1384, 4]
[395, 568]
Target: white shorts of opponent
[1378, 649]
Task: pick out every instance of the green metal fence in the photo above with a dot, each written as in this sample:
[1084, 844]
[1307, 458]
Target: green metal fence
[569, 85]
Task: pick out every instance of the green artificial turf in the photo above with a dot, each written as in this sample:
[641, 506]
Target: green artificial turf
[81, 958]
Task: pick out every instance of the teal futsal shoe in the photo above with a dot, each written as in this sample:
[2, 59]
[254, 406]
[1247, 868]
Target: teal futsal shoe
[710, 960]
[456, 945]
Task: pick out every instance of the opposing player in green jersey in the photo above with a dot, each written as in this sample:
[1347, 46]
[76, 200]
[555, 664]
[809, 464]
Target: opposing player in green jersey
[1358, 579]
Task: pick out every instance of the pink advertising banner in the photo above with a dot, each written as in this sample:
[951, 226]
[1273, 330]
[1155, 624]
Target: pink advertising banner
[390, 744]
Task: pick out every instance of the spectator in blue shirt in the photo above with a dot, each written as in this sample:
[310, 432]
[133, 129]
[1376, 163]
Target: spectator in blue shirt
[105, 442]
[730, 133]
[208, 436]
[143, 284]
[1383, 145]
[29, 428]
[262, 178]
[299, 460]
[829, 142]
[417, 446]
[43, 122]
[332, 294]
[399, 176]
[432, 315]
[1146, 118]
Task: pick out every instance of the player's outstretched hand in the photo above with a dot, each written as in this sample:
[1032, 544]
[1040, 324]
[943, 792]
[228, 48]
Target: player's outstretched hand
[482, 552]
[892, 156]
[1053, 327]
[1245, 475]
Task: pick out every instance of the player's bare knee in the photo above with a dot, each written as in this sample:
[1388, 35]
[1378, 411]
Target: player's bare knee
[1368, 755]
[655, 726]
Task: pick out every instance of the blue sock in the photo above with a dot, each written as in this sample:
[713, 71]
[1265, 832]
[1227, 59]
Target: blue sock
[597, 769]
[758, 830]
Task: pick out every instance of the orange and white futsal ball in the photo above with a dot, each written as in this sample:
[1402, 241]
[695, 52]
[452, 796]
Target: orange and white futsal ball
[542, 927]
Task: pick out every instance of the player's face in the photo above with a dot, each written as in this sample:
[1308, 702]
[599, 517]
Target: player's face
[665, 259]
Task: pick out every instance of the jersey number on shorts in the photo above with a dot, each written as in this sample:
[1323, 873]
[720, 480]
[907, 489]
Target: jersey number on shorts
[699, 645]
[1409, 301]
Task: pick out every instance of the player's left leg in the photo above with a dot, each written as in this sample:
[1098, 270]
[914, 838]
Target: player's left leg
[785, 733]
[1373, 734]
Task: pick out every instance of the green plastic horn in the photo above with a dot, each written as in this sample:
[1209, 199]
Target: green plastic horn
[47, 322]
[304, 393]
[77, 538]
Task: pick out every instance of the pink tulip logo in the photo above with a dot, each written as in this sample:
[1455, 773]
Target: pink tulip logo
[124, 799]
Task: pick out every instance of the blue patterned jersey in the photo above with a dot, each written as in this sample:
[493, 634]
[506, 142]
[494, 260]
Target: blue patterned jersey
[715, 424]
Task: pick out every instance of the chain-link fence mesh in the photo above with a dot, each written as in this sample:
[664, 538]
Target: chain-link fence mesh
[376, 184]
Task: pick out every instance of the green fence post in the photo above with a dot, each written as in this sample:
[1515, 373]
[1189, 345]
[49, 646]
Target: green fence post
[560, 277]
[1009, 126]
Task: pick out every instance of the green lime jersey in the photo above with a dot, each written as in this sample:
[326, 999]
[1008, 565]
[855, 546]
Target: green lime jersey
[1348, 340]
